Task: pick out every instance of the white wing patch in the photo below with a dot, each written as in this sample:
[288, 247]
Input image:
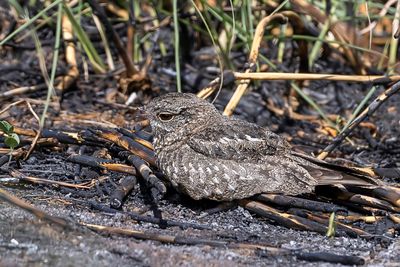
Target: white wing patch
[218, 192]
[231, 187]
[249, 138]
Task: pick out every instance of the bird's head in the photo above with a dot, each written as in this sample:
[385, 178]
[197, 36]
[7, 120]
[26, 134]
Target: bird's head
[174, 116]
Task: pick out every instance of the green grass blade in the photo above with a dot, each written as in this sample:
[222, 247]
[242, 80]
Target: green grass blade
[54, 64]
[176, 44]
[29, 22]
[359, 107]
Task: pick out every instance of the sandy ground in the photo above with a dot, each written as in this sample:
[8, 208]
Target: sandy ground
[26, 241]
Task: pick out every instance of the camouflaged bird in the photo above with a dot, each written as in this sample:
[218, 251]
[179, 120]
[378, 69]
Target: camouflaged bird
[210, 156]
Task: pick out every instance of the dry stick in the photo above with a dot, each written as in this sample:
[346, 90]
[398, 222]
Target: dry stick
[144, 218]
[22, 177]
[116, 10]
[311, 76]
[137, 139]
[214, 84]
[394, 218]
[177, 239]
[290, 201]
[70, 55]
[158, 188]
[258, 36]
[230, 76]
[11, 105]
[101, 163]
[118, 167]
[128, 144]
[352, 231]
[22, 90]
[6, 196]
[35, 140]
[266, 250]
[99, 11]
[131, 29]
[16, 153]
[366, 113]
[286, 219]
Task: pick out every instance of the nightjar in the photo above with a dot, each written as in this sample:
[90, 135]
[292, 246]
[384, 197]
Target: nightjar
[210, 156]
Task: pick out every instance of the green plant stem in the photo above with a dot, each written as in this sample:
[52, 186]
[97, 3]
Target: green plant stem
[57, 42]
[176, 42]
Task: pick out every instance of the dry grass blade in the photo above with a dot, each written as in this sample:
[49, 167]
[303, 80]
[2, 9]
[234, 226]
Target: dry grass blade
[258, 36]
[8, 197]
[314, 76]
[70, 56]
[36, 180]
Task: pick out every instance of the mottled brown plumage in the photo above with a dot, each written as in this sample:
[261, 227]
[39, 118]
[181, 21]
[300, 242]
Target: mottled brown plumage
[207, 155]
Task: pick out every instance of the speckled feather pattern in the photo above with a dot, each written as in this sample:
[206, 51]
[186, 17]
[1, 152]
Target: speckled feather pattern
[207, 155]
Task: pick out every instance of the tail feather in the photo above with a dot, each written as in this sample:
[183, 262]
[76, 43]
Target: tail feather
[327, 173]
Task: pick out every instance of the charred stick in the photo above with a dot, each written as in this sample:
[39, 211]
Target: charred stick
[330, 257]
[365, 114]
[289, 201]
[146, 173]
[142, 218]
[117, 167]
[351, 231]
[103, 164]
[126, 185]
[129, 145]
[88, 160]
[262, 249]
[373, 202]
[4, 159]
[285, 219]
[380, 192]
[136, 138]
[8, 197]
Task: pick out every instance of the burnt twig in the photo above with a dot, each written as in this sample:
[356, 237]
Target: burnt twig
[365, 114]
[124, 188]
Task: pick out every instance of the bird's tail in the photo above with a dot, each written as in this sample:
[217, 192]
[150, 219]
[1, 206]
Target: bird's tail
[360, 185]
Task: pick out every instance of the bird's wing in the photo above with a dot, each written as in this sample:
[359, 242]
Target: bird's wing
[255, 159]
[237, 140]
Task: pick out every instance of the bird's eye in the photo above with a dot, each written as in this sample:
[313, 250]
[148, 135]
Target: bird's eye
[165, 116]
